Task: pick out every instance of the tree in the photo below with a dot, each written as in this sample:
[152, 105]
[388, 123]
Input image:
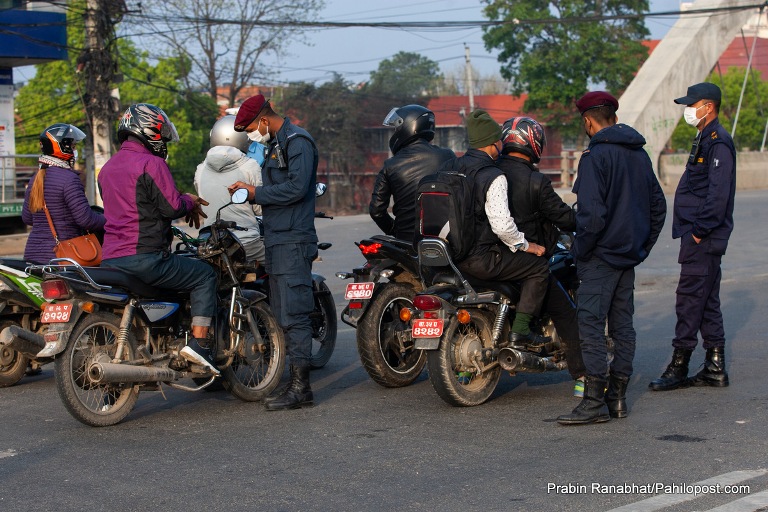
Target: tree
[225, 41]
[555, 62]
[455, 82]
[405, 78]
[752, 116]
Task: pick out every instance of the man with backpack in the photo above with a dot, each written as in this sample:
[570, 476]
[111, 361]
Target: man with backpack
[499, 252]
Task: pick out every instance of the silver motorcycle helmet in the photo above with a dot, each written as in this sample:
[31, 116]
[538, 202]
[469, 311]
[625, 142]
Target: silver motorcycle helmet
[223, 134]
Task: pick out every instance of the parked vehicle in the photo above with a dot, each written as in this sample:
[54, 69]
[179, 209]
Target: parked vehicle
[382, 287]
[114, 336]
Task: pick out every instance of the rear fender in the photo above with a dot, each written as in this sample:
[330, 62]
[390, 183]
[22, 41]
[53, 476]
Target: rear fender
[57, 336]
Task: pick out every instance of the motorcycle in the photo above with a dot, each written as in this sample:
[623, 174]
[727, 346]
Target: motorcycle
[463, 324]
[114, 336]
[21, 298]
[382, 287]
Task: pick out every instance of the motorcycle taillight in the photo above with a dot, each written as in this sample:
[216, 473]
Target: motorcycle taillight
[55, 289]
[368, 249]
[427, 303]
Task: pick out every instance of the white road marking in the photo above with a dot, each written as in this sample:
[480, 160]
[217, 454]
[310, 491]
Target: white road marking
[7, 453]
[667, 500]
[751, 503]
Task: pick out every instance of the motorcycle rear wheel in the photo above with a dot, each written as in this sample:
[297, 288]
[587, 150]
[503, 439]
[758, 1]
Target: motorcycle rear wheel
[377, 342]
[13, 364]
[323, 327]
[97, 405]
[253, 374]
[450, 371]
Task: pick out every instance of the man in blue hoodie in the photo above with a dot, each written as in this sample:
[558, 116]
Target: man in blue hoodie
[620, 213]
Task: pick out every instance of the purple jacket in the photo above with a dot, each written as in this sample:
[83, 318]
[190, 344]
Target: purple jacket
[140, 201]
[71, 214]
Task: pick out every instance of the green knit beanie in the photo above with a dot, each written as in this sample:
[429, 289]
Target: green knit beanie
[482, 129]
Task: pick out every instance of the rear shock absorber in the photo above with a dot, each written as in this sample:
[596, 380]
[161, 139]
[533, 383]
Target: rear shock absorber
[498, 323]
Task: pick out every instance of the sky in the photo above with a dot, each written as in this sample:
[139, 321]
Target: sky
[355, 52]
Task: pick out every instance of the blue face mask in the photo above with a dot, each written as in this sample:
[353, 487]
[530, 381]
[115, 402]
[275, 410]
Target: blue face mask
[256, 151]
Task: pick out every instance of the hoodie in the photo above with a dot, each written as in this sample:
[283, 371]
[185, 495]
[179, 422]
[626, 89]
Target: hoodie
[620, 205]
[223, 166]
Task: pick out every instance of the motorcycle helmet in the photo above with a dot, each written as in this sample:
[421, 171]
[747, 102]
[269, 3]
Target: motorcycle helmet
[223, 134]
[523, 135]
[150, 125]
[58, 140]
[410, 122]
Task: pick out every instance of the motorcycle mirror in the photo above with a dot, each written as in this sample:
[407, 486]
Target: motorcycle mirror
[320, 189]
[240, 196]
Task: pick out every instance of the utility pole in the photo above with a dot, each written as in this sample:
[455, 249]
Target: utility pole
[470, 88]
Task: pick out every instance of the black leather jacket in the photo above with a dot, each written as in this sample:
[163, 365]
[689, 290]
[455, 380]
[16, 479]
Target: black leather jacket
[399, 179]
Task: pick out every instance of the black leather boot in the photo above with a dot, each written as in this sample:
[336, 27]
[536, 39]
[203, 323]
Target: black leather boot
[713, 374]
[592, 408]
[676, 374]
[616, 396]
[298, 394]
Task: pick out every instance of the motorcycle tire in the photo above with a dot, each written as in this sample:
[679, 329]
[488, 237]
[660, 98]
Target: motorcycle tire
[323, 327]
[450, 370]
[377, 342]
[254, 374]
[13, 364]
[97, 405]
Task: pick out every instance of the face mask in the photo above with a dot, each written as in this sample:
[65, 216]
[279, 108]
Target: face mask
[75, 155]
[256, 135]
[256, 151]
[689, 114]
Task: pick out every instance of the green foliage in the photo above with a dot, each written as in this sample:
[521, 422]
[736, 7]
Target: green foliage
[751, 123]
[557, 62]
[406, 78]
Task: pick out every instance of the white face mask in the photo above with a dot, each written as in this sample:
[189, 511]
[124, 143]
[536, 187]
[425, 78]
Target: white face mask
[256, 135]
[75, 154]
[689, 114]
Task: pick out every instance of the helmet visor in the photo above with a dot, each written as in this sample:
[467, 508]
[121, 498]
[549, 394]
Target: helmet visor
[168, 130]
[392, 118]
[75, 133]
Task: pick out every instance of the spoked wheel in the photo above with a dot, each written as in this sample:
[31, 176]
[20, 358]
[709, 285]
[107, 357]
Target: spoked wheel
[97, 405]
[451, 369]
[383, 340]
[254, 373]
[323, 327]
[13, 364]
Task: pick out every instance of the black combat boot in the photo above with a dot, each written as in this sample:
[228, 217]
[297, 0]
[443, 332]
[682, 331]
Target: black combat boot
[616, 396]
[592, 408]
[713, 373]
[676, 374]
[298, 394]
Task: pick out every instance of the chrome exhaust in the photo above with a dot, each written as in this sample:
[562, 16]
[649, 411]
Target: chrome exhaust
[101, 372]
[514, 360]
[22, 341]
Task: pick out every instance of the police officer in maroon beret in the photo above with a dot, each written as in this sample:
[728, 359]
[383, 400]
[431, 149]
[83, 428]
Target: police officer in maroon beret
[703, 221]
[621, 210]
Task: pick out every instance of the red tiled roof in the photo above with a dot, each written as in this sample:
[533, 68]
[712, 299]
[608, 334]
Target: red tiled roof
[449, 110]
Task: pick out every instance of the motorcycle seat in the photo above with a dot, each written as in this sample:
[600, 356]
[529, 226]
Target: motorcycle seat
[510, 289]
[129, 282]
[14, 264]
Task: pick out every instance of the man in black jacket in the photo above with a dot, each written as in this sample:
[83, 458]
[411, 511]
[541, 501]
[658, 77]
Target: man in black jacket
[539, 212]
[414, 157]
[621, 210]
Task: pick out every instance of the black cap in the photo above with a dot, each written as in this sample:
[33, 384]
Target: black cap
[698, 92]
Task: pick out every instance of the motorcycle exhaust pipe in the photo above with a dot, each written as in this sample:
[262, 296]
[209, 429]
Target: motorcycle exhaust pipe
[22, 341]
[514, 360]
[103, 373]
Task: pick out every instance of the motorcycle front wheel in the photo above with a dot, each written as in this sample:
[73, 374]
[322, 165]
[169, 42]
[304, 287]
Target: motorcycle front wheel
[323, 327]
[13, 364]
[389, 363]
[451, 371]
[253, 373]
[97, 405]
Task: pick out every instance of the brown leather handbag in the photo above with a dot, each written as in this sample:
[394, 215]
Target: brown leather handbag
[84, 249]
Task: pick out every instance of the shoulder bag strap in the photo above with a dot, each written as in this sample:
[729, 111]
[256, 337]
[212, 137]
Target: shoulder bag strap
[50, 223]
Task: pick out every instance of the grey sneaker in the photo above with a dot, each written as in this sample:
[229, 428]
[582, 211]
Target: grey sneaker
[197, 354]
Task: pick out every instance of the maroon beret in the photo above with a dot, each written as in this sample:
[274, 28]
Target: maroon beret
[596, 99]
[249, 111]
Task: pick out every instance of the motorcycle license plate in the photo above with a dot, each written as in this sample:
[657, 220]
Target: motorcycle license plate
[357, 291]
[56, 313]
[426, 328]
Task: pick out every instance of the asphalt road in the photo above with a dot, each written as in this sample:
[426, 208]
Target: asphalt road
[363, 447]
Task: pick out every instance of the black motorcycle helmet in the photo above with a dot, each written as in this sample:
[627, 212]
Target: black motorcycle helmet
[59, 140]
[410, 122]
[523, 135]
[150, 125]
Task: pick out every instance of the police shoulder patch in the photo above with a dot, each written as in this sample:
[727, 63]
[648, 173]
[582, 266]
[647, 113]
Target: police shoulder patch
[714, 135]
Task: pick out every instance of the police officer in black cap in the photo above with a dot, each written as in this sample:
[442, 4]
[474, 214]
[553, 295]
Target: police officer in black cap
[703, 220]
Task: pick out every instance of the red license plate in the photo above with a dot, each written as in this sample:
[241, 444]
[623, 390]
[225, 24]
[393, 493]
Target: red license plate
[56, 313]
[427, 328]
[357, 291]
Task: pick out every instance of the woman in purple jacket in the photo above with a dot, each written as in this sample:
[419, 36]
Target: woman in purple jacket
[57, 186]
